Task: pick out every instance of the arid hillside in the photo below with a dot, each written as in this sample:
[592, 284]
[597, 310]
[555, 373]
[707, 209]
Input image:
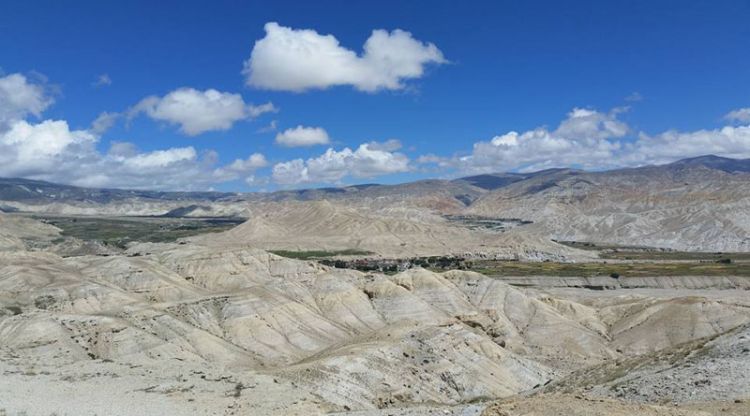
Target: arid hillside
[698, 204]
[549, 293]
[204, 327]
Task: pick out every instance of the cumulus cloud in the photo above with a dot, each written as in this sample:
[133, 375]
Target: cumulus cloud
[197, 112]
[240, 167]
[585, 124]
[29, 149]
[728, 141]
[51, 151]
[333, 166]
[302, 136]
[593, 140]
[103, 122]
[256, 181]
[258, 110]
[387, 146]
[741, 115]
[583, 139]
[20, 98]
[302, 59]
[440, 161]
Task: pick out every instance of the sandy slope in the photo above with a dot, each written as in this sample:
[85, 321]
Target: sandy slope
[216, 329]
[685, 209]
[16, 233]
[577, 405]
[389, 232]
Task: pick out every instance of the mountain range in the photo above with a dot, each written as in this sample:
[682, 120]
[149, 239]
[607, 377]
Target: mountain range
[697, 204]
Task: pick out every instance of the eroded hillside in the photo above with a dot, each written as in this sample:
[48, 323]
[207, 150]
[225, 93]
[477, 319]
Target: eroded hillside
[207, 328]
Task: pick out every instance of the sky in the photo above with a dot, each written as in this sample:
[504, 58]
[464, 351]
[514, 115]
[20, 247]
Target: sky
[258, 96]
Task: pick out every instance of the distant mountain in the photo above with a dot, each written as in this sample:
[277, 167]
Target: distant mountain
[40, 196]
[492, 180]
[27, 190]
[696, 203]
[693, 204]
[35, 191]
[715, 162]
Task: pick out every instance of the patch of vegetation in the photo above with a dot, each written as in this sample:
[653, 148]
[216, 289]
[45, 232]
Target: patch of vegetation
[674, 256]
[613, 270]
[14, 310]
[585, 245]
[621, 270]
[392, 266]
[474, 222]
[44, 301]
[238, 390]
[619, 252]
[319, 254]
[119, 231]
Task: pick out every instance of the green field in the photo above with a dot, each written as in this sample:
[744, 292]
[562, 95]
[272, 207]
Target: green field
[616, 252]
[318, 254]
[673, 255]
[634, 269]
[120, 231]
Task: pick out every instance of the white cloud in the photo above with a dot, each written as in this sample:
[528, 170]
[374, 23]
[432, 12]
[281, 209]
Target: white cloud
[291, 172]
[634, 97]
[583, 139]
[387, 146]
[258, 110]
[159, 159]
[256, 181]
[301, 136]
[255, 161]
[102, 80]
[270, 127]
[240, 167]
[585, 124]
[51, 151]
[593, 140]
[432, 158]
[301, 59]
[333, 166]
[30, 149]
[103, 122]
[673, 145]
[197, 112]
[741, 115]
[20, 98]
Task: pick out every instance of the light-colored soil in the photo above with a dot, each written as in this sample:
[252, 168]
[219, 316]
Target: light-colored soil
[211, 326]
[578, 405]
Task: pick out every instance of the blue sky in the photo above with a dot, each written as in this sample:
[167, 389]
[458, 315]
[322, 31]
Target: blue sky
[584, 84]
